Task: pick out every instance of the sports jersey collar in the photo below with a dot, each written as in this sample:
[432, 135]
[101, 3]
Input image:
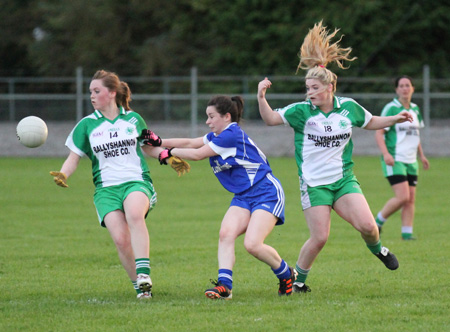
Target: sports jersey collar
[336, 104]
[99, 114]
[232, 123]
[397, 102]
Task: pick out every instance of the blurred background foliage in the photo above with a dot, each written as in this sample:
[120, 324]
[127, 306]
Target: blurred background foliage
[236, 37]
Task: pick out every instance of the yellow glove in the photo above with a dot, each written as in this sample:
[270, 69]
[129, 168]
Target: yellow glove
[60, 178]
[179, 165]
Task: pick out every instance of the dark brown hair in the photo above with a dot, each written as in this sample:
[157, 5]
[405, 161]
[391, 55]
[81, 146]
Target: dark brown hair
[233, 105]
[397, 80]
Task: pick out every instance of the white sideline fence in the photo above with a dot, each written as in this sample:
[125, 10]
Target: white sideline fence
[273, 141]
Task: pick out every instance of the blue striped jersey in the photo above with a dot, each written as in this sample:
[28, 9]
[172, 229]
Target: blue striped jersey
[240, 164]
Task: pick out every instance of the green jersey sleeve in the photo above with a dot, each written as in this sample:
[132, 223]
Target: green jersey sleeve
[357, 114]
[140, 125]
[78, 140]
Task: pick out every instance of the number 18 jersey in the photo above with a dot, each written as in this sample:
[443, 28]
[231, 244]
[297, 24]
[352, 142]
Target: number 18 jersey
[323, 145]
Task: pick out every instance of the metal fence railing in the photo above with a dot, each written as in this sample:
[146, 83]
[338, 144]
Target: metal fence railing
[182, 98]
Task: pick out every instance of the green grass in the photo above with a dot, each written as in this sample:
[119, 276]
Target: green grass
[59, 270]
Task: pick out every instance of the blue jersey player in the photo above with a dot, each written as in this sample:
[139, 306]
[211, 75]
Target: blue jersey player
[242, 168]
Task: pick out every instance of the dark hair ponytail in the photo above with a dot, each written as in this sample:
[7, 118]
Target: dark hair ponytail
[233, 105]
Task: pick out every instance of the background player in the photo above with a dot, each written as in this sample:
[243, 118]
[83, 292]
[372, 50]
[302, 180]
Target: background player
[399, 145]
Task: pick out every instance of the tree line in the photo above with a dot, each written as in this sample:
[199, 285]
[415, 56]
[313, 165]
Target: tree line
[239, 37]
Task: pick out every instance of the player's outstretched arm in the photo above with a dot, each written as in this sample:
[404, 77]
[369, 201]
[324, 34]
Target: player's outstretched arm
[152, 151]
[67, 169]
[193, 143]
[194, 154]
[380, 122]
[148, 137]
[179, 165]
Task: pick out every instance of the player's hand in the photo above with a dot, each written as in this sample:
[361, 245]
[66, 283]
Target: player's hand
[425, 163]
[164, 155]
[263, 86]
[150, 138]
[179, 165]
[404, 116]
[388, 159]
[60, 178]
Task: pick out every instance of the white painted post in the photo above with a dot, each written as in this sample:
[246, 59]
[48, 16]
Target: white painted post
[194, 101]
[426, 104]
[79, 84]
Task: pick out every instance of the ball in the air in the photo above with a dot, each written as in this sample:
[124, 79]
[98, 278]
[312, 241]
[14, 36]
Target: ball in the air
[32, 131]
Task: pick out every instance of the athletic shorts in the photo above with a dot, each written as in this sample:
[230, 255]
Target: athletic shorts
[400, 168]
[108, 199]
[328, 194]
[401, 172]
[266, 195]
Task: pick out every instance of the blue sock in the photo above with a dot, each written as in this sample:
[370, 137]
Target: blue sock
[283, 272]
[226, 278]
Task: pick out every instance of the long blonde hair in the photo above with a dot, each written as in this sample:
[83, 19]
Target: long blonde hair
[317, 51]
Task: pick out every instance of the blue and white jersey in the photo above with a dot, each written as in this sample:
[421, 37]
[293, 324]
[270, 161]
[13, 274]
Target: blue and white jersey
[240, 164]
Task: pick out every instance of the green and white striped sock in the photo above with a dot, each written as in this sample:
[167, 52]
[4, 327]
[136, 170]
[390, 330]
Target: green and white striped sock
[136, 288]
[143, 266]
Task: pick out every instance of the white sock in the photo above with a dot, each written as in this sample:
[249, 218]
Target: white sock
[407, 229]
[380, 218]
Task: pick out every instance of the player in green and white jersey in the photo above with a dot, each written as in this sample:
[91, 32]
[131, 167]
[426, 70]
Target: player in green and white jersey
[124, 193]
[323, 150]
[399, 145]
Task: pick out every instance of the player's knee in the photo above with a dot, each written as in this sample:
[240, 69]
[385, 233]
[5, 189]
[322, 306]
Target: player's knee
[319, 240]
[226, 234]
[135, 220]
[252, 247]
[122, 242]
[403, 199]
[368, 228]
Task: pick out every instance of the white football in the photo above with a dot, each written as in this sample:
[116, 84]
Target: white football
[32, 131]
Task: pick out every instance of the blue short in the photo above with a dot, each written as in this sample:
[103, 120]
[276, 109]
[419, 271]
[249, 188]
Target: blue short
[266, 195]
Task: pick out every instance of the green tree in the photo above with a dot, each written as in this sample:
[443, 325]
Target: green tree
[17, 21]
[251, 37]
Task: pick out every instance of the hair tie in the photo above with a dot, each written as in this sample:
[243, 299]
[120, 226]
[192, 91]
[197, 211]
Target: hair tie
[321, 66]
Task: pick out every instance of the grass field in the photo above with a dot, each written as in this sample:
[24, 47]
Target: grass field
[59, 270]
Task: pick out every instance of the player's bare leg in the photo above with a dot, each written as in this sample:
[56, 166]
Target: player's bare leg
[354, 209]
